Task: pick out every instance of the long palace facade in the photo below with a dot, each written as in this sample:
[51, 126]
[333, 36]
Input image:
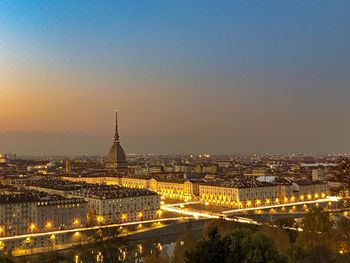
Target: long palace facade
[235, 193]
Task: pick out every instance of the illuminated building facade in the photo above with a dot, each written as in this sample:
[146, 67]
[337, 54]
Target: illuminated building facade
[246, 192]
[255, 193]
[114, 204]
[38, 212]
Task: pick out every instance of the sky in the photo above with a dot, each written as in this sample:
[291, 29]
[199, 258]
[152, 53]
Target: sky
[186, 76]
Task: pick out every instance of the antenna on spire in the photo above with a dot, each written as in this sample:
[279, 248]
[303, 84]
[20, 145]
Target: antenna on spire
[116, 135]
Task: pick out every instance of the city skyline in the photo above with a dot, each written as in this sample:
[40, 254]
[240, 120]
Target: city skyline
[186, 77]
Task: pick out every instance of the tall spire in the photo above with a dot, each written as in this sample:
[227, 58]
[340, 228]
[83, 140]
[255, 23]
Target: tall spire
[116, 135]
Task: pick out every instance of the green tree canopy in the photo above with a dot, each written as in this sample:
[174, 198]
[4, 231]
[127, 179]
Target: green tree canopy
[238, 246]
[317, 229]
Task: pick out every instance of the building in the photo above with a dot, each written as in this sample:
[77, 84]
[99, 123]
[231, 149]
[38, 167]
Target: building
[243, 193]
[318, 175]
[231, 192]
[68, 167]
[116, 159]
[39, 212]
[106, 203]
[174, 188]
[61, 213]
[309, 190]
[114, 204]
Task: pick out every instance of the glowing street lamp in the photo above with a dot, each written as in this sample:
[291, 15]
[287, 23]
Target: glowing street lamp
[32, 227]
[100, 219]
[159, 212]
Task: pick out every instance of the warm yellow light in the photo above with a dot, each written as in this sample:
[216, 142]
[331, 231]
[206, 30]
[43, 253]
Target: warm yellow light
[160, 212]
[140, 214]
[206, 203]
[258, 202]
[76, 221]
[1, 230]
[182, 206]
[345, 213]
[124, 216]
[277, 200]
[249, 203]
[27, 240]
[100, 219]
[32, 226]
[162, 202]
[77, 234]
[301, 197]
[140, 248]
[48, 225]
[292, 199]
[323, 195]
[52, 237]
[309, 196]
[286, 200]
[267, 201]
[316, 195]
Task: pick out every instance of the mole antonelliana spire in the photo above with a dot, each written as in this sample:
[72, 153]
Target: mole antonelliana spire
[116, 135]
[116, 158]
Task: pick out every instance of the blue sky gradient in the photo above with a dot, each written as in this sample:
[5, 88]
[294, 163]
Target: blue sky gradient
[248, 72]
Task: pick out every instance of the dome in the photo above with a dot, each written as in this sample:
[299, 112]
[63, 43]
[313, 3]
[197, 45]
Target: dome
[116, 158]
[116, 154]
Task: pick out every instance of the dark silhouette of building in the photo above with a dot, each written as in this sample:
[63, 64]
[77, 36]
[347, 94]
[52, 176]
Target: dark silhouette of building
[116, 158]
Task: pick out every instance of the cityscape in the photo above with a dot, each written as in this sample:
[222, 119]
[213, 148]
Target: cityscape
[173, 132]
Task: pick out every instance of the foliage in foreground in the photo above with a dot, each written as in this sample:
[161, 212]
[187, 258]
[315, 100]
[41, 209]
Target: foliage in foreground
[322, 241]
[239, 246]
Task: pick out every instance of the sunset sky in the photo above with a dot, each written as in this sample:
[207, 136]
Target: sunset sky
[186, 76]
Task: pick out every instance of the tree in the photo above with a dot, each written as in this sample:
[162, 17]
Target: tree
[322, 254]
[183, 243]
[52, 257]
[208, 250]
[278, 236]
[255, 248]
[238, 246]
[317, 229]
[296, 254]
[342, 235]
[156, 259]
[4, 259]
